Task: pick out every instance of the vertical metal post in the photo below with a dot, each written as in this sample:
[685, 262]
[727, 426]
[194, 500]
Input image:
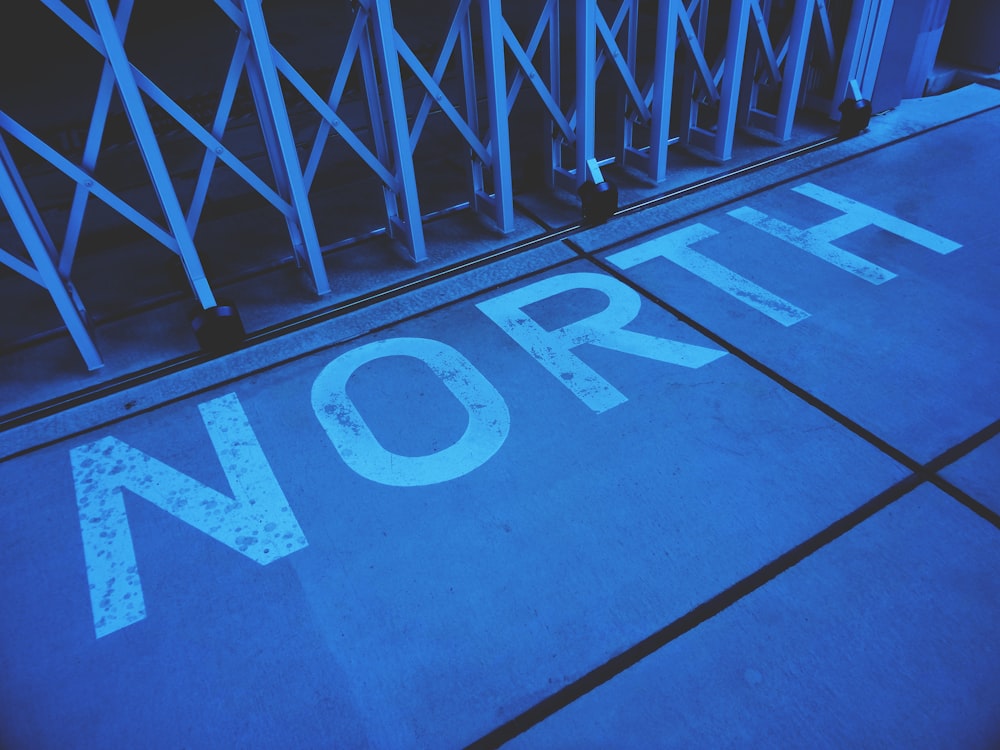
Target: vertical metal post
[145, 137]
[466, 50]
[287, 154]
[378, 121]
[875, 43]
[586, 100]
[496, 102]
[398, 131]
[736, 44]
[794, 66]
[625, 123]
[555, 87]
[41, 251]
[663, 77]
[862, 50]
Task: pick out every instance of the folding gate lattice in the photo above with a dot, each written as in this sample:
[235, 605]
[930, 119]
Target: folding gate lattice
[686, 72]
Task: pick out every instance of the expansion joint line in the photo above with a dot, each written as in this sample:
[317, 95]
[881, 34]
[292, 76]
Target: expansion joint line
[920, 474]
[928, 472]
[695, 617]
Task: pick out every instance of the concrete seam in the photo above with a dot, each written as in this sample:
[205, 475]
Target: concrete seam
[692, 619]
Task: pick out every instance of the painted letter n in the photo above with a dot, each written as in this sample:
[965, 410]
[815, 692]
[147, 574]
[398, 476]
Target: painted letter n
[256, 521]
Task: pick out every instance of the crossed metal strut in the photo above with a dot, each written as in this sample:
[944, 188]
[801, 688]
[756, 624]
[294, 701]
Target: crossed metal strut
[760, 55]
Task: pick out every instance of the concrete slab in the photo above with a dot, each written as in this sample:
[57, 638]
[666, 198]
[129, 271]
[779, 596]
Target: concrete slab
[459, 518]
[869, 284]
[978, 474]
[884, 638]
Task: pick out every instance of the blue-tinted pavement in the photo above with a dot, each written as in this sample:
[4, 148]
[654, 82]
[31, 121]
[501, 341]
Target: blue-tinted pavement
[726, 480]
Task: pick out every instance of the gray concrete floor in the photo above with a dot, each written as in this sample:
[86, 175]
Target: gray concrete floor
[702, 476]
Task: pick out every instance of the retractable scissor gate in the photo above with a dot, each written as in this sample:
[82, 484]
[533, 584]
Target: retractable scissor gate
[616, 82]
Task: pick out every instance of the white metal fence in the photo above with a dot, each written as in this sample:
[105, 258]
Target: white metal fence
[684, 73]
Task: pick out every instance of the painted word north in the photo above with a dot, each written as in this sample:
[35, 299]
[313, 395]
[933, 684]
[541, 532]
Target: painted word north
[256, 519]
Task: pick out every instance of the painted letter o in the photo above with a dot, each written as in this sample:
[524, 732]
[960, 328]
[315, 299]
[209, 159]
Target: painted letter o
[489, 418]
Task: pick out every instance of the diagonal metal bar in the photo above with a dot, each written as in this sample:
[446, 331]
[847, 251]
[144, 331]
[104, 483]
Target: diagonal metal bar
[608, 36]
[824, 21]
[307, 92]
[25, 198]
[211, 143]
[80, 177]
[736, 40]
[621, 64]
[208, 139]
[359, 32]
[547, 21]
[21, 268]
[268, 119]
[92, 146]
[458, 22]
[41, 254]
[690, 40]
[261, 50]
[764, 40]
[782, 50]
[326, 112]
[20, 197]
[624, 13]
[525, 63]
[219, 122]
[138, 118]
[376, 109]
[469, 83]
[71, 19]
[431, 86]
[211, 140]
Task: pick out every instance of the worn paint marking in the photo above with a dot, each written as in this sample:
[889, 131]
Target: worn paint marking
[256, 520]
[818, 240]
[676, 247]
[487, 429]
[553, 349]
